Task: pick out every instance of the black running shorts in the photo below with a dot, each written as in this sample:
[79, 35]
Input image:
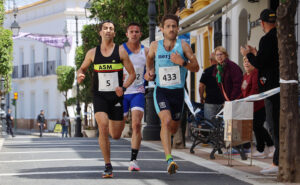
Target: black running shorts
[109, 103]
[169, 99]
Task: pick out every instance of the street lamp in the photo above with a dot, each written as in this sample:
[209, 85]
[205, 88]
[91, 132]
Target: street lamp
[87, 7]
[78, 119]
[2, 103]
[152, 130]
[67, 48]
[67, 45]
[15, 28]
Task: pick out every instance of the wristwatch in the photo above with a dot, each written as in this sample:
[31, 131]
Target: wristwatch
[184, 63]
[124, 89]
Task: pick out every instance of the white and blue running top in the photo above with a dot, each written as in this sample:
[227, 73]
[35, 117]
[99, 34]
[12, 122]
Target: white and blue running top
[168, 74]
[139, 63]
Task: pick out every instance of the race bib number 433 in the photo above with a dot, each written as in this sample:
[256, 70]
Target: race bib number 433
[169, 76]
[108, 81]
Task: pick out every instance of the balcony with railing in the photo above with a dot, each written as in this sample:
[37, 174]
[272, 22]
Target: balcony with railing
[25, 70]
[38, 69]
[51, 66]
[15, 72]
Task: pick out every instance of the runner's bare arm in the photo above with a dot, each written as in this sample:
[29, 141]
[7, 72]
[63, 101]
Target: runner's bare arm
[146, 50]
[128, 66]
[89, 58]
[188, 52]
[149, 75]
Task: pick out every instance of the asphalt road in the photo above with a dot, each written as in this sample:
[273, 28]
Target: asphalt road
[29, 160]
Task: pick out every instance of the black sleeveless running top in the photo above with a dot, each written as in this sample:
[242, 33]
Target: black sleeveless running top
[111, 64]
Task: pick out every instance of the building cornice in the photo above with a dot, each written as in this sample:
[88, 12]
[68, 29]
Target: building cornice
[29, 5]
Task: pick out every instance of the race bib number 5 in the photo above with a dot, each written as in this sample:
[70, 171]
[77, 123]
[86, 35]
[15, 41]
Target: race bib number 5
[169, 76]
[108, 81]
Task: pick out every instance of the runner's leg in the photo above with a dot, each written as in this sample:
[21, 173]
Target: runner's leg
[102, 120]
[137, 117]
[165, 133]
[116, 128]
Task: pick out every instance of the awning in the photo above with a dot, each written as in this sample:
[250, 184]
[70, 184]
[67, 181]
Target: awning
[204, 16]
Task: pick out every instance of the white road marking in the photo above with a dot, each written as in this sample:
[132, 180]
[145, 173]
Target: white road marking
[58, 145]
[99, 172]
[79, 159]
[1, 142]
[74, 151]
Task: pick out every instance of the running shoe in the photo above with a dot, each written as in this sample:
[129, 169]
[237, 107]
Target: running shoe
[272, 170]
[108, 173]
[172, 167]
[133, 166]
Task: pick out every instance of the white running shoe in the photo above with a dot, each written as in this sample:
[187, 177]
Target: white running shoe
[272, 170]
[133, 166]
[260, 155]
[271, 151]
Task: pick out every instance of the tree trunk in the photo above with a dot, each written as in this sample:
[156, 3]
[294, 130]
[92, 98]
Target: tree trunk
[65, 103]
[289, 158]
[165, 7]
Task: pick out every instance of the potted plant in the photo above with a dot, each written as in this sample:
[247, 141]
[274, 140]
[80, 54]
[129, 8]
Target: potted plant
[89, 131]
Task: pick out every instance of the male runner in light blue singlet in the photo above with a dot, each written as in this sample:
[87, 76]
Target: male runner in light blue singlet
[134, 98]
[171, 57]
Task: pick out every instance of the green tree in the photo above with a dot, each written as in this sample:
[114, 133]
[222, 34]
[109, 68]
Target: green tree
[166, 7]
[6, 49]
[65, 79]
[1, 12]
[122, 13]
[90, 39]
[85, 94]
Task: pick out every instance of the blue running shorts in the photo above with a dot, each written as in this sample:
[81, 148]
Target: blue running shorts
[134, 102]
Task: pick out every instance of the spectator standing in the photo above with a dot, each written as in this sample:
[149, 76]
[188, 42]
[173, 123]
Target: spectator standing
[250, 87]
[228, 74]
[266, 60]
[208, 84]
[41, 122]
[64, 124]
[9, 123]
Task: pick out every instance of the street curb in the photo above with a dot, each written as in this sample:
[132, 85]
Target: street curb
[1, 143]
[240, 175]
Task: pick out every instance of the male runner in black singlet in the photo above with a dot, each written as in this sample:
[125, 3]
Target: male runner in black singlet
[108, 88]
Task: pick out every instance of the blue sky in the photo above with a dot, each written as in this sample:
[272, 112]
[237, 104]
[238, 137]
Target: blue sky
[19, 3]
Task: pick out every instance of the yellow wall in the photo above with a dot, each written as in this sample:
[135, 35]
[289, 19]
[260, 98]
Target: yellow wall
[207, 47]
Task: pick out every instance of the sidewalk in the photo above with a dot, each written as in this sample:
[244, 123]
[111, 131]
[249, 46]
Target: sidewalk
[31, 132]
[240, 169]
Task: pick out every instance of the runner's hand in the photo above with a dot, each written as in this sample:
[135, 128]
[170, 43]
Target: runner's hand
[176, 58]
[149, 75]
[80, 77]
[119, 91]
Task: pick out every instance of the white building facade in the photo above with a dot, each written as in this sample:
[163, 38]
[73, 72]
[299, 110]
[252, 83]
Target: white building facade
[34, 76]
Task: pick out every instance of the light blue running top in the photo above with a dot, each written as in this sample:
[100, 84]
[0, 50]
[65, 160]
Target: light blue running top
[168, 74]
